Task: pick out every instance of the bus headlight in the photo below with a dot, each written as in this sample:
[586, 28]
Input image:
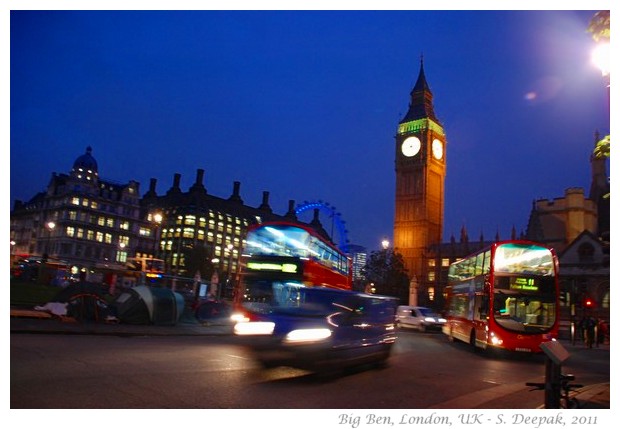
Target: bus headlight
[307, 335]
[495, 340]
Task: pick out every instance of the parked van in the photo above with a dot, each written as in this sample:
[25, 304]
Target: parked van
[420, 318]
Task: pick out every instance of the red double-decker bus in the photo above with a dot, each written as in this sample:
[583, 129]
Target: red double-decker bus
[280, 257]
[505, 296]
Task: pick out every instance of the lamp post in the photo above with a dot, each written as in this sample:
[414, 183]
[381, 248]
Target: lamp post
[50, 227]
[13, 243]
[385, 244]
[230, 254]
[600, 58]
[157, 218]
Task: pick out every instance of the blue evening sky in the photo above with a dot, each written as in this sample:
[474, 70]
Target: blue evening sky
[305, 105]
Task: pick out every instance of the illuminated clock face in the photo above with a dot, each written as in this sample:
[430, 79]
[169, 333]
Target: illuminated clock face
[411, 146]
[437, 149]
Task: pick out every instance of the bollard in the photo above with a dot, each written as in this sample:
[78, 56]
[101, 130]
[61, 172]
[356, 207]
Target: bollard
[556, 355]
[553, 375]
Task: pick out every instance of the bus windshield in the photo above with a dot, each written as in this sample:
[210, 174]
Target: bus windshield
[278, 241]
[524, 259]
[524, 304]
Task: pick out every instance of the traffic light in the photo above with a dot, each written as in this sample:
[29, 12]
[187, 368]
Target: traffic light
[563, 297]
[588, 302]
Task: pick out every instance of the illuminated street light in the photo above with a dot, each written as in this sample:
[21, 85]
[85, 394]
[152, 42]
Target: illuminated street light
[600, 58]
[50, 227]
[230, 254]
[157, 218]
[385, 244]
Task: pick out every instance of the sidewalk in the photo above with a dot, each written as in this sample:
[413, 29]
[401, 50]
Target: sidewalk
[595, 396]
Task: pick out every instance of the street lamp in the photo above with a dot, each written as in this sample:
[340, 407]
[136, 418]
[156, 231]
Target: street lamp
[13, 243]
[600, 58]
[50, 227]
[157, 218]
[385, 244]
[230, 254]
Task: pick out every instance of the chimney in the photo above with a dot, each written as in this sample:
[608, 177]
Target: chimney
[151, 192]
[291, 210]
[175, 189]
[198, 187]
[265, 205]
[235, 195]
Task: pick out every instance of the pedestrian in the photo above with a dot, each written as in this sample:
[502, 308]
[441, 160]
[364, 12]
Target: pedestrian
[590, 325]
[602, 332]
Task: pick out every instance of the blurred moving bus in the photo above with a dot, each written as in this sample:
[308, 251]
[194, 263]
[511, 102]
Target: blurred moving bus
[505, 296]
[291, 254]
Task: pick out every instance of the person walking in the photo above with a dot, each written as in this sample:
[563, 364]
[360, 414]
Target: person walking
[590, 326]
[602, 331]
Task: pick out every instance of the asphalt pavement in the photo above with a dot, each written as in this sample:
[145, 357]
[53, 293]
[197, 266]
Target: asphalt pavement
[23, 321]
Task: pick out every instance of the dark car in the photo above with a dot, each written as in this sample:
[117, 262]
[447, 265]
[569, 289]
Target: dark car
[319, 329]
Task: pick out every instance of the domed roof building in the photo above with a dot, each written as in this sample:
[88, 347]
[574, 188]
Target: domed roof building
[85, 166]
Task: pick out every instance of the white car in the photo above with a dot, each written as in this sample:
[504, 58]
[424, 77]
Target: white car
[420, 318]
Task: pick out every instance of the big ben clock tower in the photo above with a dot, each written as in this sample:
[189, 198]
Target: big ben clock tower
[420, 174]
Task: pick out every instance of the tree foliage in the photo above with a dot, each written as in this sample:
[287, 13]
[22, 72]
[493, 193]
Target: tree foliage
[599, 26]
[602, 148]
[386, 270]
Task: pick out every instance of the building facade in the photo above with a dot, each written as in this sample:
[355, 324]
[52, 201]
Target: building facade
[93, 225]
[82, 219]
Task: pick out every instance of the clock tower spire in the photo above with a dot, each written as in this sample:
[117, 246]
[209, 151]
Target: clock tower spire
[420, 164]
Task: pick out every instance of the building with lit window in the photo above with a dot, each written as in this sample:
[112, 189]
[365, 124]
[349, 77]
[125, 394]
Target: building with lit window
[82, 219]
[195, 224]
[358, 255]
[95, 224]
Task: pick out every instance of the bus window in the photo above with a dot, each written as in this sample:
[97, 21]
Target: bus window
[486, 266]
[479, 264]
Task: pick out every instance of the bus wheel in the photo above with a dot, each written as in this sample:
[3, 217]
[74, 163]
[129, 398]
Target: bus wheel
[472, 340]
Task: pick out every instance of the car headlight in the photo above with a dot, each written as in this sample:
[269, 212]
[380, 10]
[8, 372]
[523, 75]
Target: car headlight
[307, 335]
[254, 328]
[239, 317]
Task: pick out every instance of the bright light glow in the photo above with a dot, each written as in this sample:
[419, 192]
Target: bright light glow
[600, 58]
[495, 340]
[307, 335]
[274, 231]
[285, 268]
[254, 328]
[239, 317]
[516, 259]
